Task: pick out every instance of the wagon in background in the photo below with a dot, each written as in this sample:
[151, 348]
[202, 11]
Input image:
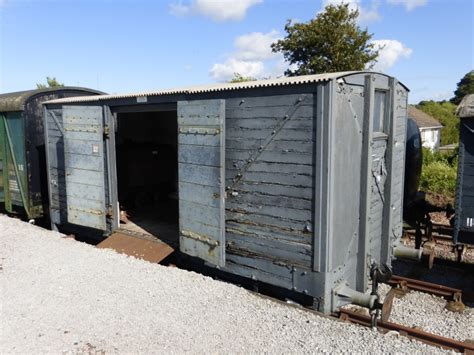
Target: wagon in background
[23, 183]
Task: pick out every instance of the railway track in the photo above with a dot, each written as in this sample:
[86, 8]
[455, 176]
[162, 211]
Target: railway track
[440, 232]
[441, 237]
[404, 284]
[412, 333]
[358, 318]
[401, 285]
[454, 296]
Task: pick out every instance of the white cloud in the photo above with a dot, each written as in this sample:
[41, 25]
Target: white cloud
[390, 52]
[218, 10]
[409, 4]
[366, 14]
[225, 71]
[178, 9]
[255, 45]
[253, 56]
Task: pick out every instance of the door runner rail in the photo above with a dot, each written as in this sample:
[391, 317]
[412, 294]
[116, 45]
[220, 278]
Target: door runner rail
[412, 333]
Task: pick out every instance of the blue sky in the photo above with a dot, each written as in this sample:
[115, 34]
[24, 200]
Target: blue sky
[129, 45]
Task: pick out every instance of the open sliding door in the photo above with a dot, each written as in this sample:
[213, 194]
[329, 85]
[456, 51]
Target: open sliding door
[81, 146]
[201, 145]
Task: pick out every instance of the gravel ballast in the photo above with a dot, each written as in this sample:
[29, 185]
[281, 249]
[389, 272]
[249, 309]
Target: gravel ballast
[59, 295]
[428, 312]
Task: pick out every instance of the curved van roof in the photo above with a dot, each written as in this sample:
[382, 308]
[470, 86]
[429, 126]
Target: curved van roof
[15, 101]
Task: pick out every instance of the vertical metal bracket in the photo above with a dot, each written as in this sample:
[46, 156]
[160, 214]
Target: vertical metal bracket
[365, 188]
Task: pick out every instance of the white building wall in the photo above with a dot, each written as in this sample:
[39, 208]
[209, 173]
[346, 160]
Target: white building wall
[430, 138]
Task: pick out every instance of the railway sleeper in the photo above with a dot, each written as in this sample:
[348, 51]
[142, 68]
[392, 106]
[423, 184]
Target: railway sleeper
[402, 285]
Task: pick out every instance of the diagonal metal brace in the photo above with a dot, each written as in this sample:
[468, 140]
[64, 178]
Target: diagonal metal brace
[266, 142]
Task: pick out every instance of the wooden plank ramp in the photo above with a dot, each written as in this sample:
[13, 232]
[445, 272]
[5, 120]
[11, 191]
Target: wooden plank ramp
[153, 251]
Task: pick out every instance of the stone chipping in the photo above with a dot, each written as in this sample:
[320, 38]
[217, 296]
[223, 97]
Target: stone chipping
[58, 295]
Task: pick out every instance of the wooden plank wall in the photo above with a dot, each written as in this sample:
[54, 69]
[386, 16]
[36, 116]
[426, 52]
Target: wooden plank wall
[269, 211]
[57, 176]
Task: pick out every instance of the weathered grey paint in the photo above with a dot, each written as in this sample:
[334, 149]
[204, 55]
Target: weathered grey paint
[54, 141]
[84, 164]
[394, 186]
[81, 163]
[313, 195]
[201, 137]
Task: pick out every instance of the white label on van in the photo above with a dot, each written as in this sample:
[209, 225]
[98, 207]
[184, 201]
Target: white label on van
[13, 185]
[142, 99]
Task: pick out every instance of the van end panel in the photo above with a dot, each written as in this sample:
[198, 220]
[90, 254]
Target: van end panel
[464, 220]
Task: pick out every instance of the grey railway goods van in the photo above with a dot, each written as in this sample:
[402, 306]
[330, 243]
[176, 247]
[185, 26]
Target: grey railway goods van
[23, 184]
[464, 219]
[296, 182]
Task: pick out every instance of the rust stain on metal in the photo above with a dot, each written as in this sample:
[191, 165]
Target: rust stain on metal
[202, 238]
[149, 250]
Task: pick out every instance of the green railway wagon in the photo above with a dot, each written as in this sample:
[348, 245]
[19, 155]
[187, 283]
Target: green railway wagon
[23, 181]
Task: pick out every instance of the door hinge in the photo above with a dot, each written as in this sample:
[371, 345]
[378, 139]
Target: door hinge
[106, 132]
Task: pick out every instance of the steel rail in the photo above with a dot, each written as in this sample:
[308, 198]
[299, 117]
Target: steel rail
[426, 287]
[413, 333]
[441, 234]
[363, 320]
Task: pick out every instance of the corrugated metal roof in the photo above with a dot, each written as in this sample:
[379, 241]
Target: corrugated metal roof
[295, 80]
[422, 119]
[15, 101]
[466, 107]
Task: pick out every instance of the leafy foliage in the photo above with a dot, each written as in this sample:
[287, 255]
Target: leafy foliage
[448, 158]
[50, 83]
[444, 112]
[330, 42]
[439, 172]
[465, 87]
[239, 78]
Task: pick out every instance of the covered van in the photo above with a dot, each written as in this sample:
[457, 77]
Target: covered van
[296, 182]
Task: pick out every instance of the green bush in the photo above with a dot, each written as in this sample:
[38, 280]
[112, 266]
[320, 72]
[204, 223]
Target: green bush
[449, 158]
[439, 172]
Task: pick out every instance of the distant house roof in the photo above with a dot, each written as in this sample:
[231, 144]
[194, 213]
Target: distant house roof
[423, 120]
[466, 107]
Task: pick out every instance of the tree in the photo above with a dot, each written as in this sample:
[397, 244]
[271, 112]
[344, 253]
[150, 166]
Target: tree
[50, 83]
[330, 42]
[239, 78]
[465, 87]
